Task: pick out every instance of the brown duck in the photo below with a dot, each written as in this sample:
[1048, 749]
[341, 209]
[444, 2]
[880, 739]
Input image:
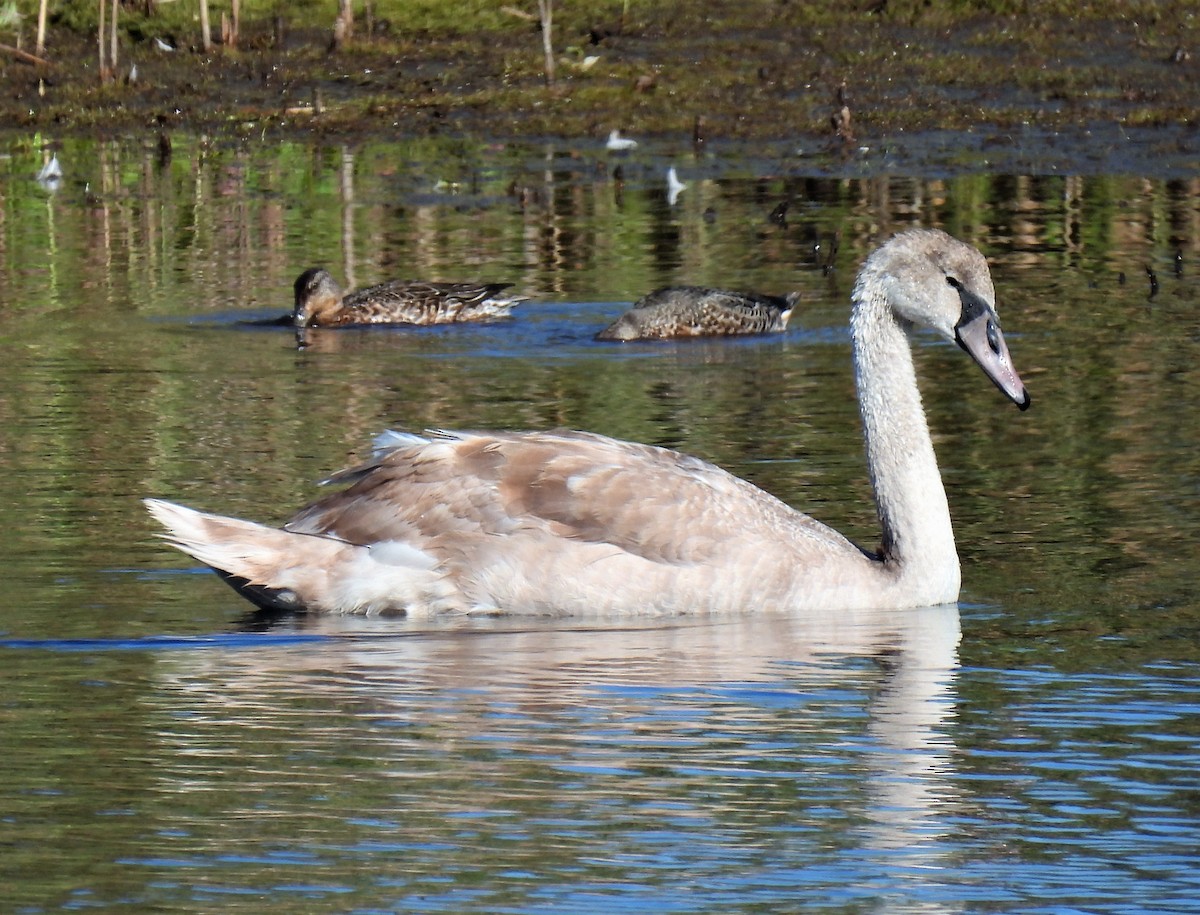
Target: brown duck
[696, 311]
[321, 302]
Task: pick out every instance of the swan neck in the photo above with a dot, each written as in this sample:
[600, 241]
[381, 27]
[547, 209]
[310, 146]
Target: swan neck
[918, 541]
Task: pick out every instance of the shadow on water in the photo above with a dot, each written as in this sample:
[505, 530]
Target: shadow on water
[711, 648]
[163, 642]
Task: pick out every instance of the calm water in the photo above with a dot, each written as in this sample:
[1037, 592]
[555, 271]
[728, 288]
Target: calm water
[1035, 750]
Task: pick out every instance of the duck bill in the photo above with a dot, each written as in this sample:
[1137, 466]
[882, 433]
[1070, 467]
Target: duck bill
[979, 334]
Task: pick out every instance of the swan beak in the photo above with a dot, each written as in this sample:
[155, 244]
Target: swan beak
[978, 332]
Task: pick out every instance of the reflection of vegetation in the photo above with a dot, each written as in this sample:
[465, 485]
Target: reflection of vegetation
[95, 285]
[10, 17]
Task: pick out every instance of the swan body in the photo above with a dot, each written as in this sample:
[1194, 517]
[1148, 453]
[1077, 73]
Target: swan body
[320, 302]
[573, 523]
[696, 311]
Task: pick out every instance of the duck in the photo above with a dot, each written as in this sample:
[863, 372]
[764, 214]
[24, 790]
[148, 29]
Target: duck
[321, 302]
[571, 523]
[698, 311]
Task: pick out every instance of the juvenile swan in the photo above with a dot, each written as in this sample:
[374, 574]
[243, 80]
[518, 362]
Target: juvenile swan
[320, 302]
[696, 311]
[567, 522]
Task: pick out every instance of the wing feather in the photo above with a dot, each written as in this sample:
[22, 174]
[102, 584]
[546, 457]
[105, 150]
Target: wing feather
[452, 491]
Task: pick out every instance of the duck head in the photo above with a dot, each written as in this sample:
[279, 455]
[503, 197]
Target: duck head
[318, 297]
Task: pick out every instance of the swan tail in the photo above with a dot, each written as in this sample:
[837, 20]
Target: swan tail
[282, 570]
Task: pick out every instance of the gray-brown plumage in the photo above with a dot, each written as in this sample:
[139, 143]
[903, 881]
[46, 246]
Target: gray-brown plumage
[320, 302]
[696, 311]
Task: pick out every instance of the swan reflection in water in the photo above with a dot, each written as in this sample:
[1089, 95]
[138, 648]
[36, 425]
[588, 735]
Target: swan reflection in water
[807, 734]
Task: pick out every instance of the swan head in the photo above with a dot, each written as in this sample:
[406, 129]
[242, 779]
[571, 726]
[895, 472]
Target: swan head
[978, 332]
[931, 279]
[317, 294]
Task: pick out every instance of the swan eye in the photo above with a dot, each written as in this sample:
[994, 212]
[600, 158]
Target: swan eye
[993, 337]
[954, 282]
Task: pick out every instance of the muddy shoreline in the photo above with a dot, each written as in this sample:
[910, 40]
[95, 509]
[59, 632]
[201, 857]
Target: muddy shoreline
[723, 74]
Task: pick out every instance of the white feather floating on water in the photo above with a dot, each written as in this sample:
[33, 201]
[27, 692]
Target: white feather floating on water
[618, 143]
[674, 186]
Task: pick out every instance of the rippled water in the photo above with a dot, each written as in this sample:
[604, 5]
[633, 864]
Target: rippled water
[1034, 750]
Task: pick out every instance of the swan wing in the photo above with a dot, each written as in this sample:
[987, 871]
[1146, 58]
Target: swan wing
[559, 513]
